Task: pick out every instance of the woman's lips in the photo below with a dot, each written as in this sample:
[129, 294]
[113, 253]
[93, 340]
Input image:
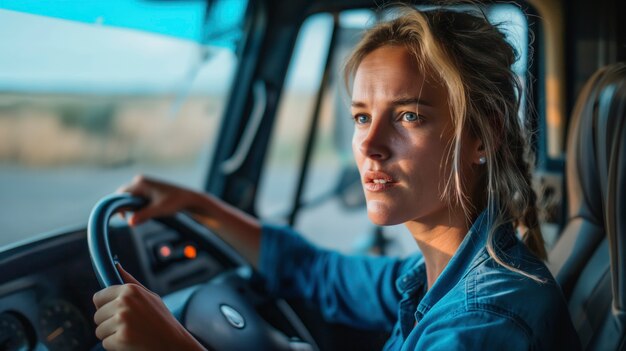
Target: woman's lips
[376, 181]
[378, 187]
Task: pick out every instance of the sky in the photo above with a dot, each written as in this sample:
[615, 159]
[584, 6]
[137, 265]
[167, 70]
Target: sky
[180, 18]
[121, 46]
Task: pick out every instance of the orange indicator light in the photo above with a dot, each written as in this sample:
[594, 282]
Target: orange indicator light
[165, 251]
[190, 252]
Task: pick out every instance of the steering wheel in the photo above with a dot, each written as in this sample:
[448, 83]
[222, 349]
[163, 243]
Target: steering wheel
[223, 313]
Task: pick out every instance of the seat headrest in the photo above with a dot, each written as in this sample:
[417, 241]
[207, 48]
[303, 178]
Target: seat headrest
[590, 143]
[597, 172]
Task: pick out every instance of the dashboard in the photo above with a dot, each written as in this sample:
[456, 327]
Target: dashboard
[46, 285]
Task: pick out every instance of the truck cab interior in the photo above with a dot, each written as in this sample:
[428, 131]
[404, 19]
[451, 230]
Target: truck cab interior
[245, 100]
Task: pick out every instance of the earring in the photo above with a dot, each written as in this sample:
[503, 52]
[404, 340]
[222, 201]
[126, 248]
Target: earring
[482, 160]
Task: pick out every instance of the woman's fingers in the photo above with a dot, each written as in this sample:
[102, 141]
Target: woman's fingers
[145, 214]
[127, 277]
[105, 313]
[111, 343]
[143, 187]
[163, 199]
[137, 187]
[106, 329]
[106, 295]
[106, 300]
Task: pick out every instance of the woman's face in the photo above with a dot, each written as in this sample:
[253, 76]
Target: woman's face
[401, 140]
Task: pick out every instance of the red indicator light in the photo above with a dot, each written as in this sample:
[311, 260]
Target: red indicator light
[165, 251]
[190, 252]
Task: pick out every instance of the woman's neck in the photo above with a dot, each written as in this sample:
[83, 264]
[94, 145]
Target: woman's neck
[438, 241]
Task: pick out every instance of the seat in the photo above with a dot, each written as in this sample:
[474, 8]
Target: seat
[589, 258]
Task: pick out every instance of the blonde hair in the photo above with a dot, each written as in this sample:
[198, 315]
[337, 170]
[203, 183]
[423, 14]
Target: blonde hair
[473, 61]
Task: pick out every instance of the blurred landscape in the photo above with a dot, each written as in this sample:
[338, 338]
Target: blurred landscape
[45, 131]
[60, 153]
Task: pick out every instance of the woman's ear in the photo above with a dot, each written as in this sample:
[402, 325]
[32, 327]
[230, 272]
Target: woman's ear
[479, 154]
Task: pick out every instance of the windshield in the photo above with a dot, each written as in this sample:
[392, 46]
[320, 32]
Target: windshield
[92, 93]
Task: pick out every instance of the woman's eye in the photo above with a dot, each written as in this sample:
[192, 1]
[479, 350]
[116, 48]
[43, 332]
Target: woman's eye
[411, 117]
[361, 119]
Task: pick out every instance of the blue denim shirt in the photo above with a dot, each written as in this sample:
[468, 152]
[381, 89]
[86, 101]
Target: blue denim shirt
[475, 304]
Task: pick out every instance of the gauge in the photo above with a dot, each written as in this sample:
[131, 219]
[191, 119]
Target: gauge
[62, 326]
[14, 333]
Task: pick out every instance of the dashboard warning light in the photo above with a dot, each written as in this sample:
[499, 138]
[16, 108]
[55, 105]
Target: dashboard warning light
[190, 252]
[165, 251]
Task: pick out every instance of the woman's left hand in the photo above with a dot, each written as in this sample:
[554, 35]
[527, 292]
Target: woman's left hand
[131, 317]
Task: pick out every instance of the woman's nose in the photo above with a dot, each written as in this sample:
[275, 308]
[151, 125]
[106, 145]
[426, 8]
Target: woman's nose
[374, 142]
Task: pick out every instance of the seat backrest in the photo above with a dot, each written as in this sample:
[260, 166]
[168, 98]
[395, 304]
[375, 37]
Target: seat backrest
[588, 260]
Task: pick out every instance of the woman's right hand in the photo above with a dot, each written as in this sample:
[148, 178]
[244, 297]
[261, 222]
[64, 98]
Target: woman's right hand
[164, 199]
[236, 227]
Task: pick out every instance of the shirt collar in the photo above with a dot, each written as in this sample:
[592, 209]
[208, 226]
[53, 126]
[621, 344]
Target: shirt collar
[470, 254]
[413, 279]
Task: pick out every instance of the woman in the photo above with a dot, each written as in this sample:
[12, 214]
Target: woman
[440, 148]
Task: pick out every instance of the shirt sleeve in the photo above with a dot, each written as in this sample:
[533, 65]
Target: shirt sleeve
[354, 290]
[473, 330]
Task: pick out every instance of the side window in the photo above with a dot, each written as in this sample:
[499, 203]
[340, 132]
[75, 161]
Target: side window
[280, 175]
[331, 209]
